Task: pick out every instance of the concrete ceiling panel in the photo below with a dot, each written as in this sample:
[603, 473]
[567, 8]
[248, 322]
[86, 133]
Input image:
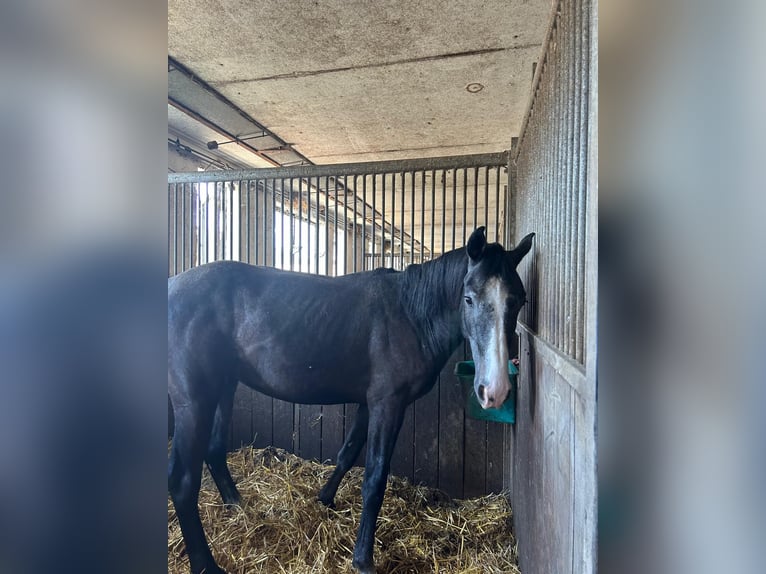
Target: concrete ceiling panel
[244, 40]
[353, 80]
[408, 110]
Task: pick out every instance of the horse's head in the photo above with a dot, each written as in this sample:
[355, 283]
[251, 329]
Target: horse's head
[492, 298]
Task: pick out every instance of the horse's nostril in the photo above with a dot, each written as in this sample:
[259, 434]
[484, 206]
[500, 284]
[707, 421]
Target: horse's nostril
[480, 392]
[491, 400]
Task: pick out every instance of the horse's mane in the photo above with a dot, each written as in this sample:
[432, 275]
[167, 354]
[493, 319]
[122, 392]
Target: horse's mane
[428, 290]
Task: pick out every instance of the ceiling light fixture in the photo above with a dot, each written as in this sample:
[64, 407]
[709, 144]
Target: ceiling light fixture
[474, 87]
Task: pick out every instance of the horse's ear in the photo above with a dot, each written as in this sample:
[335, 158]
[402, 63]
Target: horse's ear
[518, 252]
[476, 244]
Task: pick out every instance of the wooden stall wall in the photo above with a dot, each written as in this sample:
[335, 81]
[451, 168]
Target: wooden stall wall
[550, 463]
[337, 220]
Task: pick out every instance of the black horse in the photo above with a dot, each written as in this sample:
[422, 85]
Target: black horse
[377, 338]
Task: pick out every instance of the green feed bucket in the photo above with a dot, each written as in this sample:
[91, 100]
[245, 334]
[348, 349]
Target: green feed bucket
[465, 371]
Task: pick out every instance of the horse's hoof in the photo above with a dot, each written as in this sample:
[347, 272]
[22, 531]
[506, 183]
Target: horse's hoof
[328, 503]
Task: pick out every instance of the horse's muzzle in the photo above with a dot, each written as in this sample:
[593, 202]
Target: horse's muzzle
[492, 396]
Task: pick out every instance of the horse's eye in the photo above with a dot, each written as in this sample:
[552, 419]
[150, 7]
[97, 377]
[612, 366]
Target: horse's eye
[468, 300]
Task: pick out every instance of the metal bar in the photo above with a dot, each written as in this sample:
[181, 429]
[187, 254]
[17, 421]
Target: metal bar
[356, 220]
[584, 210]
[569, 290]
[422, 214]
[433, 212]
[300, 224]
[230, 220]
[199, 225]
[554, 311]
[215, 222]
[497, 206]
[316, 229]
[383, 223]
[172, 228]
[412, 221]
[454, 206]
[401, 234]
[374, 218]
[274, 222]
[327, 226]
[364, 223]
[572, 290]
[557, 181]
[475, 198]
[486, 201]
[345, 225]
[282, 223]
[465, 205]
[335, 231]
[444, 211]
[365, 168]
[393, 221]
[247, 221]
[184, 228]
[291, 201]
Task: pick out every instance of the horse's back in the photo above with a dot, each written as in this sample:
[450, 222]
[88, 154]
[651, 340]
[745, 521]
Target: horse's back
[267, 327]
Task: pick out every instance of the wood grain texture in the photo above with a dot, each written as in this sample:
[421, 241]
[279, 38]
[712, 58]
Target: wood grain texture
[242, 417]
[309, 432]
[283, 425]
[402, 459]
[333, 421]
[495, 455]
[263, 413]
[426, 439]
[475, 457]
[451, 428]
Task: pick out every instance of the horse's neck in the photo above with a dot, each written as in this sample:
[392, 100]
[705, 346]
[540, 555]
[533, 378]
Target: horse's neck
[431, 295]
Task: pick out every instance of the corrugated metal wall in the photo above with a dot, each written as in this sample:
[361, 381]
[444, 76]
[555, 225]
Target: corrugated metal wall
[551, 470]
[334, 220]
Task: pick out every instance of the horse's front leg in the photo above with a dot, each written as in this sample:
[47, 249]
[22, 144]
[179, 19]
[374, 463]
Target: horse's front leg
[385, 421]
[346, 457]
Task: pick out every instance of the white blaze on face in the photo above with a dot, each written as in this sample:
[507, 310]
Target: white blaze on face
[495, 355]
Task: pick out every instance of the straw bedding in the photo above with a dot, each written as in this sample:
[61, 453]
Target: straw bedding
[282, 528]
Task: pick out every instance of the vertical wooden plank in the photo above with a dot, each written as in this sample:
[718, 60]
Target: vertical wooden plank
[585, 407]
[310, 432]
[283, 425]
[263, 432]
[332, 432]
[475, 457]
[241, 417]
[585, 505]
[351, 410]
[426, 455]
[402, 460]
[495, 450]
[526, 475]
[451, 408]
[509, 454]
[556, 519]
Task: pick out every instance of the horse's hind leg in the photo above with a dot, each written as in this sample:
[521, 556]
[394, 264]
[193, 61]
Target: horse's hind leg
[216, 452]
[193, 422]
[346, 457]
